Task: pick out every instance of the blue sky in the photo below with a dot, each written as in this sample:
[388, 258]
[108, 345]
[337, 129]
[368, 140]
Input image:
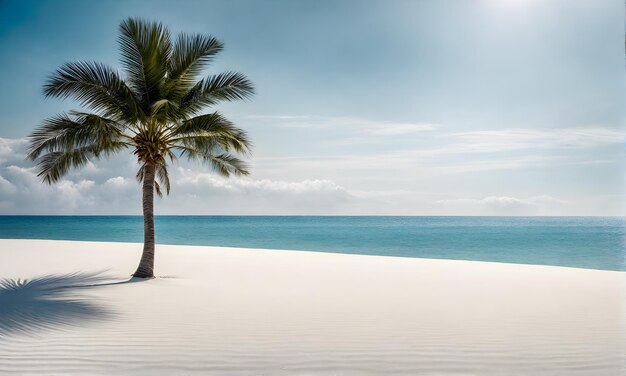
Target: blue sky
[486, 107]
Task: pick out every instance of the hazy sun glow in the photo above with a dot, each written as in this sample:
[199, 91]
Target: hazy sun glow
[512, 3]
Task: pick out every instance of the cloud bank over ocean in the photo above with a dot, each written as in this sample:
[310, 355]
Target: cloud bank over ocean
[109, 186]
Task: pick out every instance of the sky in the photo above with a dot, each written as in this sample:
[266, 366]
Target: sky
[442, 107]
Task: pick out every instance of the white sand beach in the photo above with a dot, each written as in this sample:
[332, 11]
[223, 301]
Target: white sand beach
[228, 311]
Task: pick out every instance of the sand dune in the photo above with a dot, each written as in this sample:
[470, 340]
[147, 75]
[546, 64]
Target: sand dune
[227, 311]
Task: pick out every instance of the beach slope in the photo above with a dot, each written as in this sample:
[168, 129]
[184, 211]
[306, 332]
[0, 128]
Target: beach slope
[71, 308]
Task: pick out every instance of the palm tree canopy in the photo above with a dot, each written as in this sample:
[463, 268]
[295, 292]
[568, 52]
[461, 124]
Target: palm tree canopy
[152, 108]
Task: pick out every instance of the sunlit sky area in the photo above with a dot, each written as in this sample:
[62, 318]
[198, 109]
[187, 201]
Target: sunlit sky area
[442, 107]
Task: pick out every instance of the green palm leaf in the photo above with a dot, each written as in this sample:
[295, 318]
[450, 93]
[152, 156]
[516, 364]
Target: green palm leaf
[146, 49]
[97, 86]
[65, 133]
[212, 129]
[227, 86]
[52, 166]
[190, 55]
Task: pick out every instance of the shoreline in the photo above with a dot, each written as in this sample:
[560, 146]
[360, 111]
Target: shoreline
[234, 311]
[226, 248]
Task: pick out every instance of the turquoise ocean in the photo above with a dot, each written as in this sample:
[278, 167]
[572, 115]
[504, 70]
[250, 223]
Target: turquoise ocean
[584, 242]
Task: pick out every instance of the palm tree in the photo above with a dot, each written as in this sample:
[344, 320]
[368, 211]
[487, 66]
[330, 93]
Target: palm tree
[153, 109]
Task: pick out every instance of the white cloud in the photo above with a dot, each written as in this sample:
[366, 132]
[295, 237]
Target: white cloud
[30, 196]
[117, 182]
[6, 187]
[357, 125]
[395, 129]
[476, 141]
[188, 177]
[387, 146]
[494, 205]
[375, 183]
[100, 189]
[198, 192]
[490, 141]
[12, 151]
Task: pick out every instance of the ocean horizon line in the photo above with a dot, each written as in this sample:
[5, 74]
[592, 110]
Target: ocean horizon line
[587, 242]
[319, 215]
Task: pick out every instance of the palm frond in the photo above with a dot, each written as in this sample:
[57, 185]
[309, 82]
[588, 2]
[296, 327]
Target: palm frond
[227, 164]
[141, 173]
[165, 111]
[164, 178]
[190, 55]
[52, 166]
[227, 86]
[162, 175]
[223, 163]
[64, 133]
[96, 86]
[145, 48]
[213, 129]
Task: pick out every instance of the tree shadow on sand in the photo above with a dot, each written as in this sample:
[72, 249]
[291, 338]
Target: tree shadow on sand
[52, 302]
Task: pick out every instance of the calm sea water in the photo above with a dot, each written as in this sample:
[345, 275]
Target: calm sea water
[586, 242]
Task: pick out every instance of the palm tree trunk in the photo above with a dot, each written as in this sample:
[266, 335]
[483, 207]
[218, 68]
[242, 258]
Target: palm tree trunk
[146, 265]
